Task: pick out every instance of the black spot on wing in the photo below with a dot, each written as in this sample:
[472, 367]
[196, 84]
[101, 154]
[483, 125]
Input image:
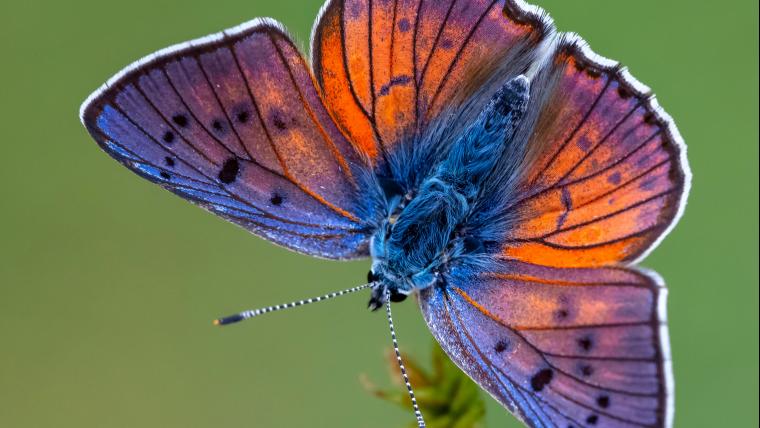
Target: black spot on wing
[624, 92]
[404, 25]
[501, 346]
[280, 121]
[230, 171]
[603, 401]
[168, 137]
[243, 116]
[180, 120]
[567, 201]
[586, 370]
[396, 81]
[586, 343]
[276, 199]
[219, 127]
[541, 379]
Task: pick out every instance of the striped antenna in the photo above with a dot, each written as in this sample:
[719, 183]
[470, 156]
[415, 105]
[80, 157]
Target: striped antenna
[232, 319]
[417, 413]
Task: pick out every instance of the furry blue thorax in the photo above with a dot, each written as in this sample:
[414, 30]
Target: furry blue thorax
[428, 229]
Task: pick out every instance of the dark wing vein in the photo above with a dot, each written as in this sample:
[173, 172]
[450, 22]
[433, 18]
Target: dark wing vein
[287, 176]
[168, 149]
[497, 370]
[328, 141]
[190, 111]
[458, 55]
[603, 140]
[597, 174]
[542, 354]
[638, 234]
[344, 52]
[577, 128]
[224, 110]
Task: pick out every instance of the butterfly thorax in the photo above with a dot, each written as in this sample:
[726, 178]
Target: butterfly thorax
[426, 232]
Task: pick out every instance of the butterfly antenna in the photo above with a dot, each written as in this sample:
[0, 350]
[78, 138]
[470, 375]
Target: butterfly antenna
[242, 316]
[417, 412]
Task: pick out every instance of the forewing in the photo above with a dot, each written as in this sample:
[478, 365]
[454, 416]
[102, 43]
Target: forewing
[606, 175]
[560, 347]
[387, 68]
[233, 123]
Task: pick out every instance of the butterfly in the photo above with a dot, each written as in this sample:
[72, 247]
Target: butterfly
[490, 166]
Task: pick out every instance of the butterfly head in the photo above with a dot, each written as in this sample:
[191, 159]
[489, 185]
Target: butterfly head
[392, 274]
[384, 284]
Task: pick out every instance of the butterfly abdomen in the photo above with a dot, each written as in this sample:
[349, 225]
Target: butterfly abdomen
[476, 152]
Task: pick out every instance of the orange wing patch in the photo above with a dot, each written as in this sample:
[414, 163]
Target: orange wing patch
[347, 98]
[473, 33]
[388, 67]
[394, 71]
[606, 180]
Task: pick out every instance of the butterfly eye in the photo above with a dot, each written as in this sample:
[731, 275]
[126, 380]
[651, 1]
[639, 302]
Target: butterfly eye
[372, 277]
[397, 297]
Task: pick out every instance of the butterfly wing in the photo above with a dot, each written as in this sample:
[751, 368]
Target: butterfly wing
[608, 175]
[558, 329]
[387, 68]
[560, 347]
[233, 123]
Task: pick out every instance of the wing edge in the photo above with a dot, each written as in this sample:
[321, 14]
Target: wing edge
[669, 126]
[520, 10]
[663, 337]
[240, 30]
[662, 340]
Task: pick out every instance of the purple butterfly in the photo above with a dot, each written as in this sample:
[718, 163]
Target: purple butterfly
[499, 171]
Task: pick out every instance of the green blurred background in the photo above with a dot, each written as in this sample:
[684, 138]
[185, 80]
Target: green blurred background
[108, 284]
